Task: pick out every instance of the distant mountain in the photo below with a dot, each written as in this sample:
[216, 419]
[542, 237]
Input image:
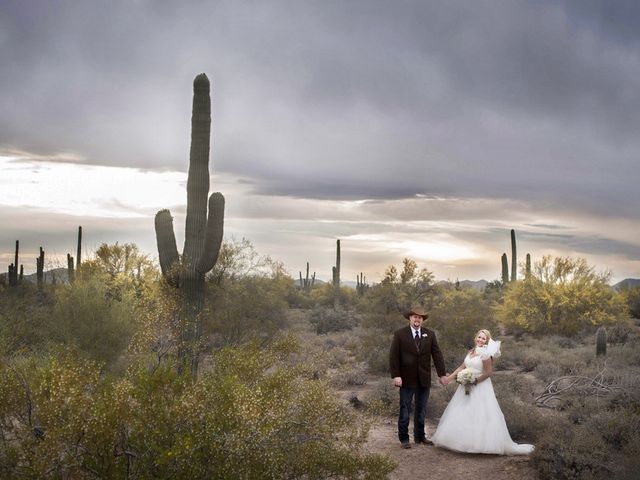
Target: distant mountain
[60, 275]
[627, 283]
[476, 285]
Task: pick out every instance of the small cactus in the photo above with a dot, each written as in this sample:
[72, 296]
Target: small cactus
[361, 284]
[336, 278]
[601, 341]
[527, 271]
[70, 268]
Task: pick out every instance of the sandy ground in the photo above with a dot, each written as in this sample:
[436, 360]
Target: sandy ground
[429, 462]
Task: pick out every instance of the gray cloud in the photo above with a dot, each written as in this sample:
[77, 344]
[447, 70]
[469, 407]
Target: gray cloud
[533, 104]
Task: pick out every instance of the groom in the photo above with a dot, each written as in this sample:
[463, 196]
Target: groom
[410, 356]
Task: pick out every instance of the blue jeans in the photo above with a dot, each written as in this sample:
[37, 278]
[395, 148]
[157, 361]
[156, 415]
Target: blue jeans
[406, 399]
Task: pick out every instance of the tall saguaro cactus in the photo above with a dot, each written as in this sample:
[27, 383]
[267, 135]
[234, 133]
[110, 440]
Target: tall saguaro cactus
[514, 257]
[527, 268]
[203, 234]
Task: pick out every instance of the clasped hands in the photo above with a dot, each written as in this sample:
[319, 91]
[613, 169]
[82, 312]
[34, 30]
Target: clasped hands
[445, 380]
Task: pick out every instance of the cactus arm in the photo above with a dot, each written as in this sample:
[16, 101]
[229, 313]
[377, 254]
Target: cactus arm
[215, 231]
[505, 269]
[167, 249]
[198, 177]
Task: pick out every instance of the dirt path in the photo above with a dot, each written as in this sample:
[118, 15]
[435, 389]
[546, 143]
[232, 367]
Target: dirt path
[429, 462]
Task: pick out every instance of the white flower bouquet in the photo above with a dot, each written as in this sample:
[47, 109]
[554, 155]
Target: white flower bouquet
[466, 377]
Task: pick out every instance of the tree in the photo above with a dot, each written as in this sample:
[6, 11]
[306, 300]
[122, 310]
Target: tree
[563, 295]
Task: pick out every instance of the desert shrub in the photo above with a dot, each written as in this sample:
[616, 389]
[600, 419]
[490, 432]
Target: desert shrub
[374, 350]
[457, 314]
[566, 452]
[511, 385]
[347, 375]
[562, 296]
[619, 333]
[25, 316]
[525, 421]
[547, 371]
[327, 320]
[254, 415]
[631, 297]
[564, 342]
[618, 428]
[382, 399]
[87, 316]
[246, 307]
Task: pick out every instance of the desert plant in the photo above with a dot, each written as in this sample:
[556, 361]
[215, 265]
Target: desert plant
[306, 284]
[505, 269]
[336, 278]
[514, 257]
[601, 341]
[203, 235]
[40, 268]
[563, 296]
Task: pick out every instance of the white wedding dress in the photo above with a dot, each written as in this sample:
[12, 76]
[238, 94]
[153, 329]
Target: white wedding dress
[474, 423]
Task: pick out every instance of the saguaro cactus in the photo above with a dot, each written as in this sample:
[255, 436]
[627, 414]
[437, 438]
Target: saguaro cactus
[79, 249]
[40, 268]
[203, 234]
[361, 284]
[306, 284]
[336, 277]
[514, 257]
[71, 274]
[527, 268]
[601, 341]
[505, 269]
[13, 269]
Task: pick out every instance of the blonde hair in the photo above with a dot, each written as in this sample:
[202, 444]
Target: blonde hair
[486, 332]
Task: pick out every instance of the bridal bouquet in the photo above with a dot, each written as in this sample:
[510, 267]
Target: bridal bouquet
[466, 377]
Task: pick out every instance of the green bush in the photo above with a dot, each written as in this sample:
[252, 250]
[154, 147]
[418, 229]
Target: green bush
[349, 375]
[85, 315]
[456, 315]
[246, 307]
[562, 296]
[327, 320]
[566, 452]
[254, 415]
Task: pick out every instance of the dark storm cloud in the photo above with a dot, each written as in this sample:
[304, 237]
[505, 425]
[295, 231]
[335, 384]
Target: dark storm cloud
[345, 100]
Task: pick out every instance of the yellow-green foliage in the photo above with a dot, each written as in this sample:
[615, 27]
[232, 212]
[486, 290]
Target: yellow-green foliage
[457, 314]
[86, 315]
[254, 415]
[562, 295]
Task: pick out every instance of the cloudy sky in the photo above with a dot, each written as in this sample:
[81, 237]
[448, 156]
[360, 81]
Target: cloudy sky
[421, 129]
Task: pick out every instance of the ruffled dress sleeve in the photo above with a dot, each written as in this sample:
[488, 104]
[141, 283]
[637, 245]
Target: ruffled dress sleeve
[491, 349]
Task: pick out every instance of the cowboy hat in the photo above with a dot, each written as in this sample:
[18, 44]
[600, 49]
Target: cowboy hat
[416, 310]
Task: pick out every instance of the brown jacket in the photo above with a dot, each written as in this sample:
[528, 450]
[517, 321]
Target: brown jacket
[413, 365]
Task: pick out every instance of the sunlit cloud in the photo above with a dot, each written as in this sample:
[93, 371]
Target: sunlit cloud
[85, 190]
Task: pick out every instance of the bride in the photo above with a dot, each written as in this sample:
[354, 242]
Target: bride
[473, 421]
